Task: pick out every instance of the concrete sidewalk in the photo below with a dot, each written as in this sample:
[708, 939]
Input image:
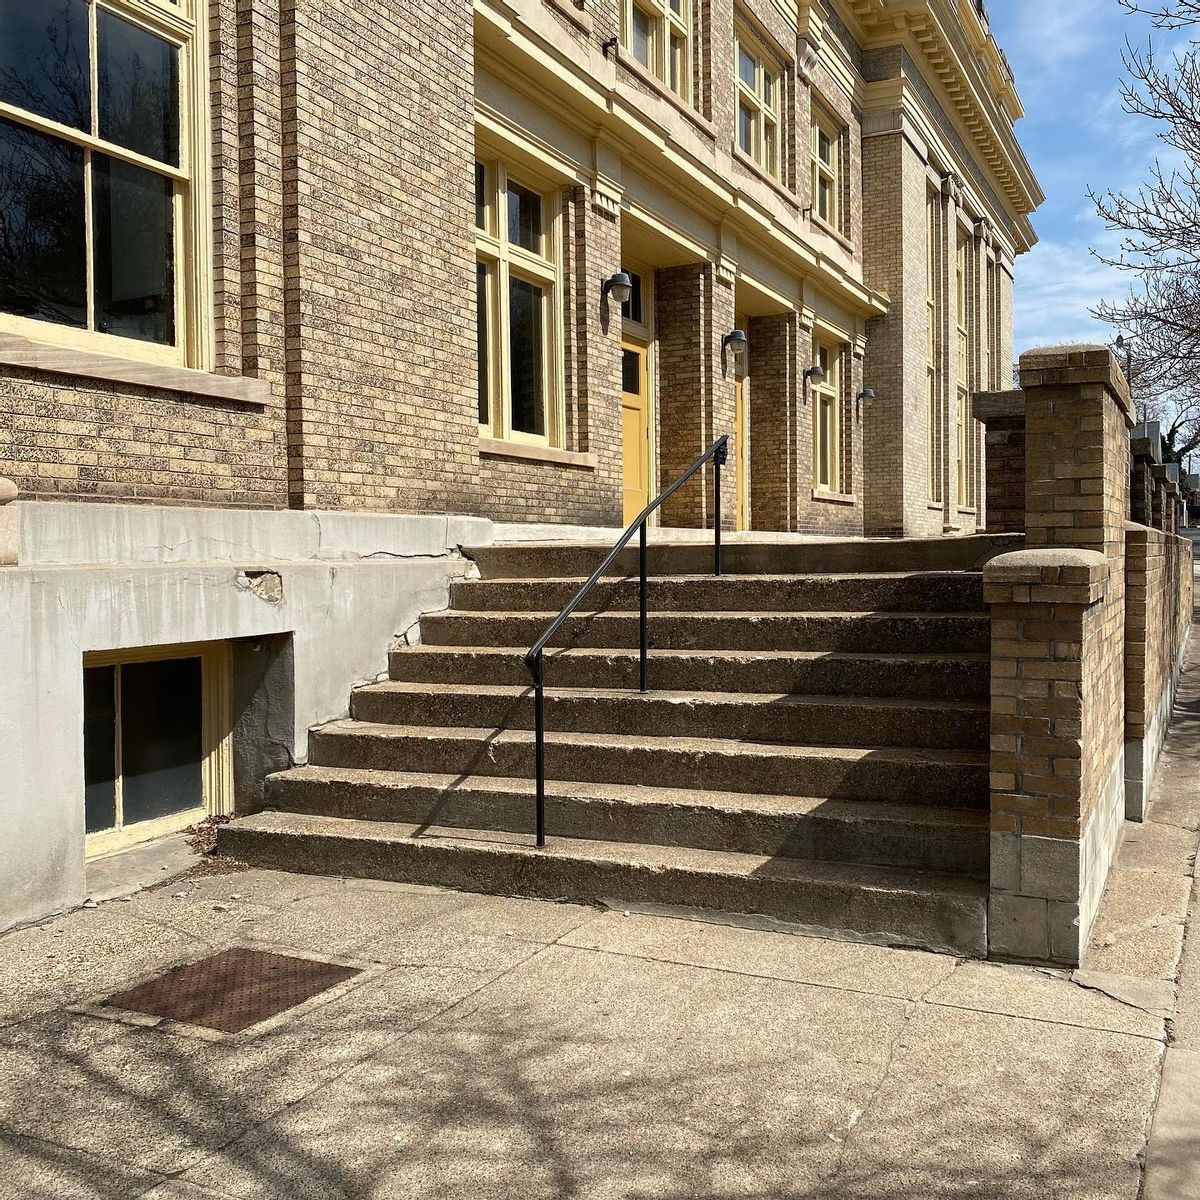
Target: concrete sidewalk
[512, 1048]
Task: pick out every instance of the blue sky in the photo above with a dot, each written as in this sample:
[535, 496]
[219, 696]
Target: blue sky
[1066, 55]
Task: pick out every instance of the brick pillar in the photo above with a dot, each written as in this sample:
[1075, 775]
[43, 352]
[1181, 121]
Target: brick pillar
[779, 354]
[1003, 417]
[1057, 751]
[694, 310]
[592, 345]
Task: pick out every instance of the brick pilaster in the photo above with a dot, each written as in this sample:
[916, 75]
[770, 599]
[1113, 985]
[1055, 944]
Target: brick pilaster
[1057, 751]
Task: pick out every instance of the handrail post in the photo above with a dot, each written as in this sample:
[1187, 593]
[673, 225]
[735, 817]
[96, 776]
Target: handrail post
[539, 749]
[645, 643]
[718, 459]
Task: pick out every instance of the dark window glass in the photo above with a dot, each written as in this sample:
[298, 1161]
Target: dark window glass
[480, 196]
[526, 358]
[134, 240]
[99, 748]
[138, 75]
[631, 372]
[631, 310]
[161, 743]
[44, 59]
[524, 218]
[482, 341]
[43, 243]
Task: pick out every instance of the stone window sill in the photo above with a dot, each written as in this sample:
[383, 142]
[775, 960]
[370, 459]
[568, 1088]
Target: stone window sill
[23, 352]
[677, 102]
[740, 156]
[577, 16]
[825, 227]
[531, 452]
[834, 497]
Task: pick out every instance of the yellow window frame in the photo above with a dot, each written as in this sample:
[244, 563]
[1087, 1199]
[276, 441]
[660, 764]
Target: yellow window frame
[192, 222]
[827, 419]
[670, 38]
[216, 739]
[505, 261]
[827, 170]
[762, 99]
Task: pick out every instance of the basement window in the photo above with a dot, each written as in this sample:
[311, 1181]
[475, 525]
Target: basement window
[155, 742]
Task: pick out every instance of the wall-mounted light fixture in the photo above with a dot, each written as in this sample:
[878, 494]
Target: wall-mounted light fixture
[736, 342]
[619, 287]
[867, 394]
[816, 374]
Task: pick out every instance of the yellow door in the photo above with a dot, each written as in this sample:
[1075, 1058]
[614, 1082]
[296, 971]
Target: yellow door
[635, 428]
[741, 398]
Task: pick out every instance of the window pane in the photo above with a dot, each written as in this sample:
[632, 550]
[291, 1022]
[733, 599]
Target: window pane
[643, 36]
[824, 147]
[99, 748]
[43, 242]
[524, 218]
[745, 129]
[769, 142]
[768, 90]
[139, 88]
[631, 310]
[161, 741]
[44, 59]
[677, 7]
[483, 342]
[134, 241]
[526, 356]
[678, 77]
[746, 65]
[631, 372]
[480, 197]
[825, 200]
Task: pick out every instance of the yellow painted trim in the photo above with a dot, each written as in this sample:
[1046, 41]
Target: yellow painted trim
[216, 739]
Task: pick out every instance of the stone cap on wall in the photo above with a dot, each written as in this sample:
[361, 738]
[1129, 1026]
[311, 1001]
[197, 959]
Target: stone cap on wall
[1067, 366]
[1146, 448]
[1055, 575]
[999, 406]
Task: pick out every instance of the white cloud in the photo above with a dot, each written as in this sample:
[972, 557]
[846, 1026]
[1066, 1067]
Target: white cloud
[1058, 283]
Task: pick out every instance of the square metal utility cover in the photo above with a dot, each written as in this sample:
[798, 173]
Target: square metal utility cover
[232, 990]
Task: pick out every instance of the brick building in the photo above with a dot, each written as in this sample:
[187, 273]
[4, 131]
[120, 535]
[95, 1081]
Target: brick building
[291, 290]
[261, 218]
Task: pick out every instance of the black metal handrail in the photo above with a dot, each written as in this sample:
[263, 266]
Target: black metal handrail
[535, 661]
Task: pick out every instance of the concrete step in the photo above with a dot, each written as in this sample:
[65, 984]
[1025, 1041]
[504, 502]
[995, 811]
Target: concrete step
[880, 632]
[744, 556]
[926, 837]
[808, 672]
[931, 591]
[956, 779]
[937, 911]
[809, 720]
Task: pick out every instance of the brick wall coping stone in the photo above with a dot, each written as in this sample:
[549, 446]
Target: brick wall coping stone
[1054, 576]
[999, 406]
[1070, 366]
[1146, 447]
[8, 491]
[1145, 533]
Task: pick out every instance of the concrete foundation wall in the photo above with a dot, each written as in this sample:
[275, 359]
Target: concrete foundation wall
[342, 591]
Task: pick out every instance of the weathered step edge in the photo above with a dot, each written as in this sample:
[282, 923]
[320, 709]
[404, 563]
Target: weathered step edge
[947, 840]
[907, 908]
[811, 720]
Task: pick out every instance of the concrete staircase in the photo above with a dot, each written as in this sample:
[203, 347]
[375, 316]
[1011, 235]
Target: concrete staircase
[813, 750]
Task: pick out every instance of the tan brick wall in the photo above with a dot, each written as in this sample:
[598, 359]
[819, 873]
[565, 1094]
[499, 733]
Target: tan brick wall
[1004, 474]
[1158, 583]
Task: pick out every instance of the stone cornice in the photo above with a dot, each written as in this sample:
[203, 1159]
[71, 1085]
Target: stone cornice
[964, 58]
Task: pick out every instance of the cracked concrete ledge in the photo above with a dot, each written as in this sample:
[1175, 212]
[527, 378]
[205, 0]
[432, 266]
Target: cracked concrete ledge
[56, 533]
